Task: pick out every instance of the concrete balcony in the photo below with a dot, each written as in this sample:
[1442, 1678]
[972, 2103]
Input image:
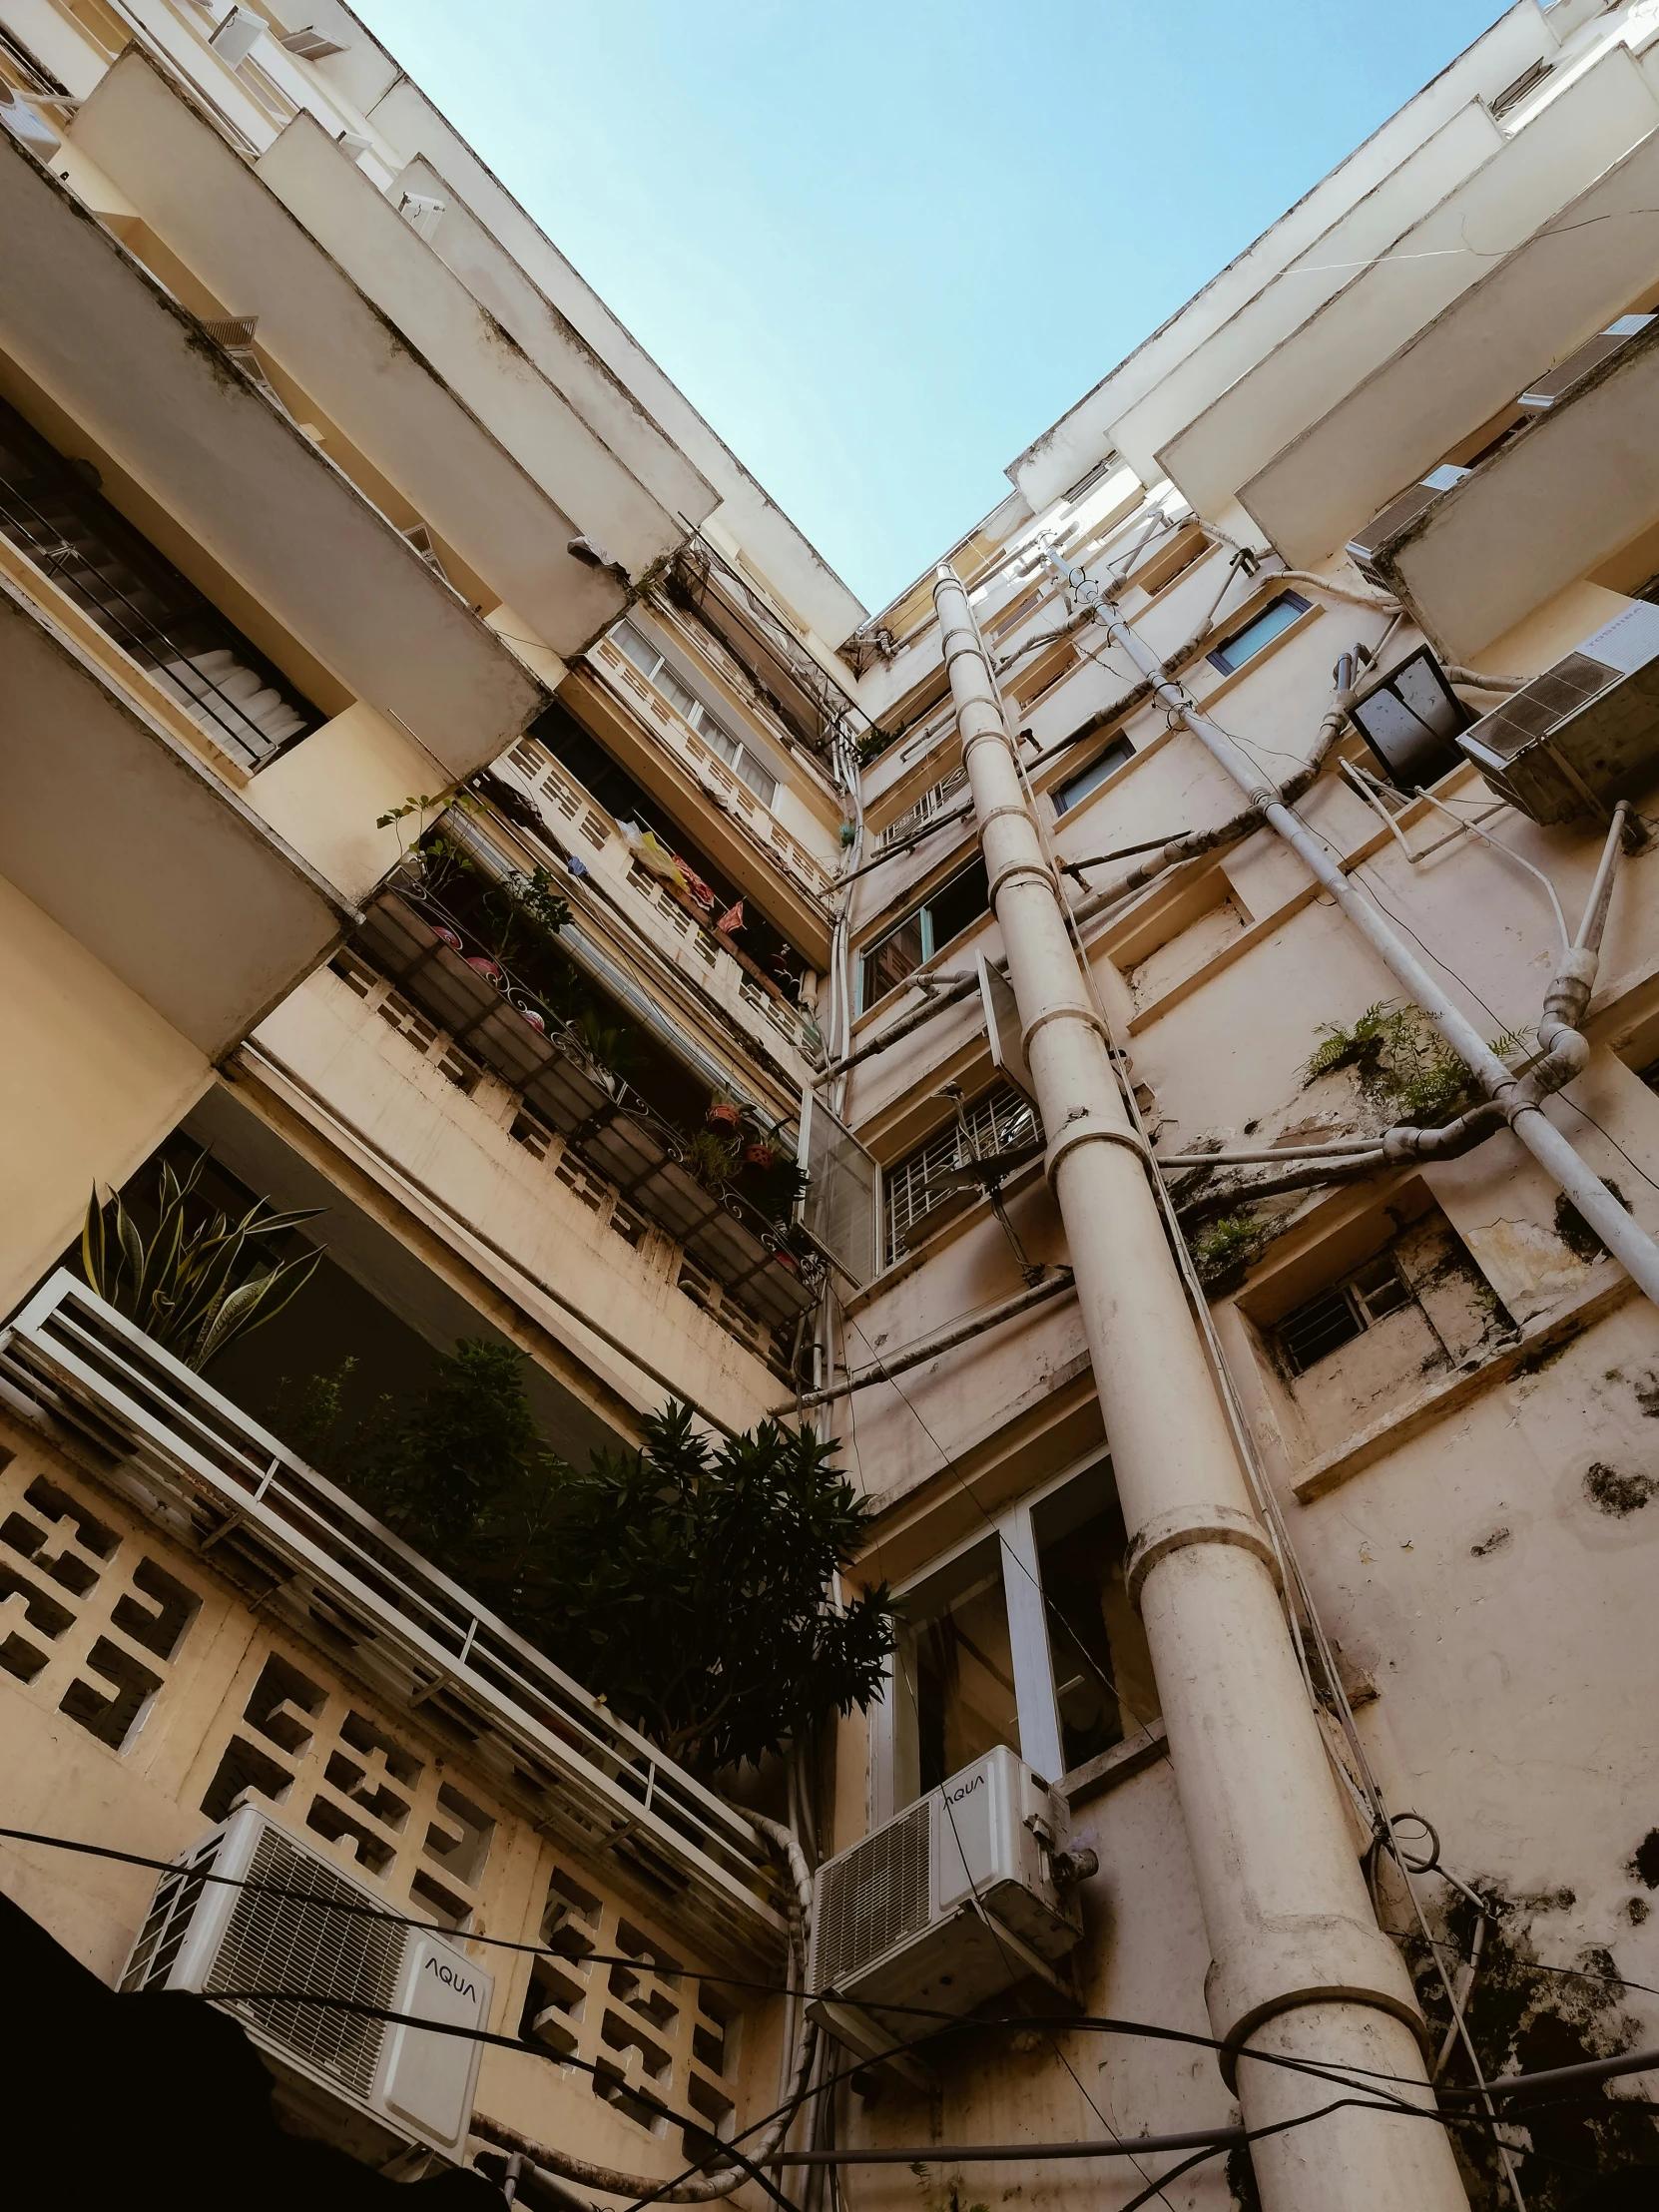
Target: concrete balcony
[1598, 115]
[423, 949]
[194, 1462]
[1567, 493]
[88, 328]
[641, 731]
[1568, 281]
[116, 828]
[360, 311]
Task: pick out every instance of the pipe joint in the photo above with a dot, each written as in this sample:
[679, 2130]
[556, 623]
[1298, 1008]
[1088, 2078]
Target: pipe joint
[1182, 1525]
[1310, 1958]
[1089, 1127]
[1021, 871]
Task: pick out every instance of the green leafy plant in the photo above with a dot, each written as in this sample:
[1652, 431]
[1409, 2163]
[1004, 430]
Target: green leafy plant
[468, 1452]
[193, 1289]
[777, 1189]
[1401, 1065]
[710, 1160]
[418, 803]
[1223, 1242]
[616, 1048]
[687, 1584]
[524, 910]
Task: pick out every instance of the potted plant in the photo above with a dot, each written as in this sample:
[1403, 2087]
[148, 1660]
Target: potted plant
[760, 1153]
[724, 1113]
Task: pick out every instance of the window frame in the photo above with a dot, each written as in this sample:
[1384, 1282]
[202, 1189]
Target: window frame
[1119, 745]
[920, 913]
[746, 760]
[1218, 657]
[895, 1744]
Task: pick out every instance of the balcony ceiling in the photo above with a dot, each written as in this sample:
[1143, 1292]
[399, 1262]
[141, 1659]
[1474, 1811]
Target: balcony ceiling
[1566, 281]
[1521, 186]
[137, 849]
[92, 328]
[1572, 489]
[391, 345]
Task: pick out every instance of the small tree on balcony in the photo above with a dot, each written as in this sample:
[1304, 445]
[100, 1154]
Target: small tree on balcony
[687, 1584]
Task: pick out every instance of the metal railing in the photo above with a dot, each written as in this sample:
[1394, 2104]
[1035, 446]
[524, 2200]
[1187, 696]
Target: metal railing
[218, 1481]
[232, 701]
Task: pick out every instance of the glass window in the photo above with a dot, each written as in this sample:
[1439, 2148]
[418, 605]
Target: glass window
[1245, 644]
[957, 906]
[959, 1660]
[1102, 1668]
[640, 651]
[953, 907]
[1090, 779]
[653, 665]
[760, 780]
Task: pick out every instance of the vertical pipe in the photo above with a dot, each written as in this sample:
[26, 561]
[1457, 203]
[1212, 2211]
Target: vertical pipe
[1629, 1244]
[1299, 1964]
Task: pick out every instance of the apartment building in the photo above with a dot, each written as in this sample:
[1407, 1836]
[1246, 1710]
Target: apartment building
[1200, 941]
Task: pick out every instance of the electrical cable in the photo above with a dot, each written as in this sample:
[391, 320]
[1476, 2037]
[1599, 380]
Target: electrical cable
[1337, 2073]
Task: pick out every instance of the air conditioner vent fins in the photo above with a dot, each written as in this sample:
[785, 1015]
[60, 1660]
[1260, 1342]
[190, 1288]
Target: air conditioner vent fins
[874, 1895]
[282, 1942]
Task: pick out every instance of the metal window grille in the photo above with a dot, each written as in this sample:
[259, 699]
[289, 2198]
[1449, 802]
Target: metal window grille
[118, 578]
[1334, 1317]
[931, 803]
[1005, 1117]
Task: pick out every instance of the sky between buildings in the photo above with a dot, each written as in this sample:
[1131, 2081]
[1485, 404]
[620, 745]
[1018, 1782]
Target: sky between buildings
[882, 244]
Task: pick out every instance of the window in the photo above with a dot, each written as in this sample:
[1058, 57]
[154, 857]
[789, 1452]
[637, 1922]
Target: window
[917, 1184]
[1245, 644]
[1025, 1637]
[966, 1702]
[931, 803]
[1103, 1685]
[1090, 779]
[51, 509]
[1335, 1317]
[950, 910]
[750, 768]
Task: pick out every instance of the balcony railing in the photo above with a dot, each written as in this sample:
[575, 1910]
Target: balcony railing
[429, 953]
[733, 795]
[141, 601]
[303, 1551]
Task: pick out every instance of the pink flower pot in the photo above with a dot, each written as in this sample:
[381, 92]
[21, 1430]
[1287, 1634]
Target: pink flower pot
[485, 967]
[446, 935]
[533, 1018]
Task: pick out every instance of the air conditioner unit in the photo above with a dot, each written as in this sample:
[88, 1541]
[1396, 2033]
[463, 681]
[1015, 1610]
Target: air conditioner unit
[372, 2086]
[951, 1901]
[1581, 733]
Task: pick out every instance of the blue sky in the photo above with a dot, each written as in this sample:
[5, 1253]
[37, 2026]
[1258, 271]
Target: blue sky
[882, 245]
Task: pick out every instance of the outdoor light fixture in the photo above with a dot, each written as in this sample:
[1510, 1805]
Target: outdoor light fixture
[1411, 721]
